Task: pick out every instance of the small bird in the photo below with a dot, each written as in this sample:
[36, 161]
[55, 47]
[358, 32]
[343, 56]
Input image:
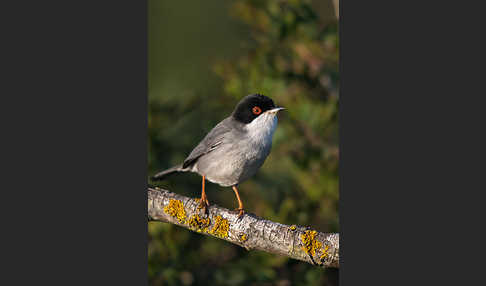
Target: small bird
[234, 149]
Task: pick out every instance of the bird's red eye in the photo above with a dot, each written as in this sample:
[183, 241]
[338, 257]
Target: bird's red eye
[256, 110]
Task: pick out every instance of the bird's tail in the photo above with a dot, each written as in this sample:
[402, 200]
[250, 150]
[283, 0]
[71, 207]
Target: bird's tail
[170, 171]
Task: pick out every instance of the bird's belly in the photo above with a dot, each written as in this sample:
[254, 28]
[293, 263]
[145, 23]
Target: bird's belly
[228, 167]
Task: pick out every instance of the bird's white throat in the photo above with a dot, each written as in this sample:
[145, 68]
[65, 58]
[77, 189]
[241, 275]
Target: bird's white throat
[262, 128]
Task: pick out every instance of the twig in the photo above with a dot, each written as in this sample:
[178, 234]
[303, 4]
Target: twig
[250, 231]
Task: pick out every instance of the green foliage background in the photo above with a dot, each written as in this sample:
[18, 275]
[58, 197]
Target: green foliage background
[203, 57]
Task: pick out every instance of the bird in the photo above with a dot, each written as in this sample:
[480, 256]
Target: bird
[234, 149]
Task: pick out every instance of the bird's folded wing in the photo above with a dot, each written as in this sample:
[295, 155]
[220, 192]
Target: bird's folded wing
[211, 142]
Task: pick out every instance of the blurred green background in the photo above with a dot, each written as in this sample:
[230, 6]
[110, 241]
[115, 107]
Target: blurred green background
[204, 56]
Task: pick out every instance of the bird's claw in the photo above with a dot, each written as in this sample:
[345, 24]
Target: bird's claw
[204, 205]
[240, 211]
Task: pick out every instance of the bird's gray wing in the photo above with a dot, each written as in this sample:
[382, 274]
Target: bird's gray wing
[211, 142]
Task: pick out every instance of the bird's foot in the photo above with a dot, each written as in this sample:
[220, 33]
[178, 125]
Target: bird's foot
[204, 205]
[240, 211]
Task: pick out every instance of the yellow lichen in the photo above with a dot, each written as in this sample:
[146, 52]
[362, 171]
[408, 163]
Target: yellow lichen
[175, 208]
[293, 227]
[324, 252]
[243, 237]
[310, 244]
[198, 223]
[220, 227]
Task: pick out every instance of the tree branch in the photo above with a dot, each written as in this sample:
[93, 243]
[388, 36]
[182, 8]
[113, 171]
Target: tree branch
[249, 231]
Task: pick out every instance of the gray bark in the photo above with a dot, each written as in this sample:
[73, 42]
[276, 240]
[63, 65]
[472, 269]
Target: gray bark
[250, 231]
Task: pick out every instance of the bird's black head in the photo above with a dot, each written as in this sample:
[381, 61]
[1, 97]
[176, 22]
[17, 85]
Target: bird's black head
[252, 106]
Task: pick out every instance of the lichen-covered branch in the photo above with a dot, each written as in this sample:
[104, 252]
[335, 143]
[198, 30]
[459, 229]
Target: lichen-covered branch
[249, 231]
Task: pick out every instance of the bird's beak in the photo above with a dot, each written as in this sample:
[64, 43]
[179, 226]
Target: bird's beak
[275, 110]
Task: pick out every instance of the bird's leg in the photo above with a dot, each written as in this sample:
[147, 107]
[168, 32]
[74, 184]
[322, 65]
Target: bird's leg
[240, 204]
[203, 202]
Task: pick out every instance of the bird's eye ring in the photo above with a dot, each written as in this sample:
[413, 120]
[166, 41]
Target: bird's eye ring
[256, 110]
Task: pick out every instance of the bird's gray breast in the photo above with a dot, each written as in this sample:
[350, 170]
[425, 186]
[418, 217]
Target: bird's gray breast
[240, 154]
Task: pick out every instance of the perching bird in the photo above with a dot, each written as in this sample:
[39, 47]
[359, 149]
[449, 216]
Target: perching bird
[235, 148]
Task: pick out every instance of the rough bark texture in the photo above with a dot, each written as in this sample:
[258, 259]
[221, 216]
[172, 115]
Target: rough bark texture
[249, 231]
